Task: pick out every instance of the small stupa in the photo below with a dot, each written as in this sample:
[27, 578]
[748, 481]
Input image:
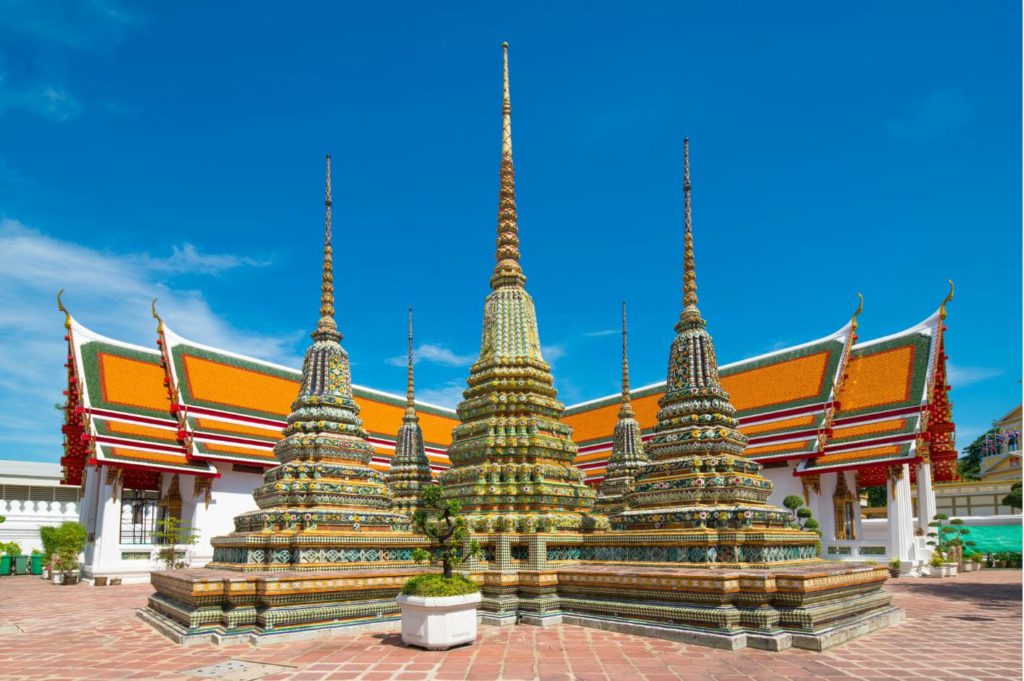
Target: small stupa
[698, 476]
[410, 468]
[325, 482]
[628, 456]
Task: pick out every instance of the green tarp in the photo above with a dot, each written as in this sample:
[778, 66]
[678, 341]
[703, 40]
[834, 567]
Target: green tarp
[995, 538]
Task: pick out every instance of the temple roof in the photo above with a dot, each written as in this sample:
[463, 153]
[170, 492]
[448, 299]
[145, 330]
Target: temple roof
[234, 407]
[125, 405]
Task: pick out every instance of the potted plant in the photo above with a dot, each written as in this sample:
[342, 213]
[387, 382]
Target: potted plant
[936, 567]
[99, 581]
[115, 581]
[439, 610]
[894, 567]
[69, 540]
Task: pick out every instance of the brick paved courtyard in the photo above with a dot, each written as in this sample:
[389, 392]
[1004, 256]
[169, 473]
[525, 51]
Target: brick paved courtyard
[968, 627]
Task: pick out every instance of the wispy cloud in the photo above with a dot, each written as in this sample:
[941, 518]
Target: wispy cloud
[939, 113]
[188, 259]
[960, 376]
[602, 332]
[434, 353]
[552, 353]
[95, 25]
[109, 292]
[447, 395]
[46, 100]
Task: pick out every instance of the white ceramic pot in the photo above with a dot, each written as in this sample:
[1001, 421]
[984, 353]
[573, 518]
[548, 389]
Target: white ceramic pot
[438, 623]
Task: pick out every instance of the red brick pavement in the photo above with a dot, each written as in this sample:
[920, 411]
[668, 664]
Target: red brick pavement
[967, 627]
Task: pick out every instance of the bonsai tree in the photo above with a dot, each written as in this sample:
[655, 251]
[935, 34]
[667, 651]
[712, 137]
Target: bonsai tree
[170, 534]
[440, 521]
[948, 540]
[803, 519]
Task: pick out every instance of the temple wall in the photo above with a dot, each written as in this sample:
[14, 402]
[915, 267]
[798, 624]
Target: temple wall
[231, 496]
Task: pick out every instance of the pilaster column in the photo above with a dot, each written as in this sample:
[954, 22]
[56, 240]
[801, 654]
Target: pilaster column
[925, 496]
[899, 513]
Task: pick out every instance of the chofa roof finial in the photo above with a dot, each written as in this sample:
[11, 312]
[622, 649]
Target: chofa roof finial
[948, 299]
[156, 316]
[856, 313]
[60, 306]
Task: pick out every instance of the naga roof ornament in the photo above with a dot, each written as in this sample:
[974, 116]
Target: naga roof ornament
[410, 468]
[628, 456]
[512, 457]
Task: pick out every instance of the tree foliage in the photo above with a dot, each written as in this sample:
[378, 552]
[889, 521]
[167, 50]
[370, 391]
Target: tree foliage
[1013, 499]
[173, 535]
[969, 466]
[447, 530]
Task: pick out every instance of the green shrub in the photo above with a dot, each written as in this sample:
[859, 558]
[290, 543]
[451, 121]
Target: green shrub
[436, 586]
[811, 524]
[936, 560]
[895, 563]
[793, 502]
[440, 521]
[12, 548]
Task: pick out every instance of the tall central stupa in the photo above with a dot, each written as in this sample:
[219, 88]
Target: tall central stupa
[512, 458]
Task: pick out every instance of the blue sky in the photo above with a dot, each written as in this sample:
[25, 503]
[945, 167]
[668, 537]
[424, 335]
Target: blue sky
[176, 150]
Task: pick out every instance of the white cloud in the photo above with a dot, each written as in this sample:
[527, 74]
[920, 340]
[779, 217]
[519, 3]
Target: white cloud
[960, 376]
[447, 395]
[431, 352]
[552, 353]
[602, 332]
[108, 292]
[44, 99]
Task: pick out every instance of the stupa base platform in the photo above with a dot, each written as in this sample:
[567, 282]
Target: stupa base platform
[228, 606]
[813, 606]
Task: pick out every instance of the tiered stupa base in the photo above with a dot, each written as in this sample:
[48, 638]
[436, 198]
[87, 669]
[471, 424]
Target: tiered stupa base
[665, 583]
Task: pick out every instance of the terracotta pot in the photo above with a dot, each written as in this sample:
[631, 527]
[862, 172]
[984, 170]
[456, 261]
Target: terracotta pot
[99, 581]
[894, 572]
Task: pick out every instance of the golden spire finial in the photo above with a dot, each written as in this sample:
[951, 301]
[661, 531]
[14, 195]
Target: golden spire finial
[159, 322]
[948, 299]
[507, 271]
[410, 398]
[506, 107]
[856, 313]
[60, 306]
[689, 265]
[326, 328]
[625, 359]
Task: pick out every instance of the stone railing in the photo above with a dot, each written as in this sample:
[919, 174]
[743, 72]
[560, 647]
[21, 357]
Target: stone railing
[12, 508]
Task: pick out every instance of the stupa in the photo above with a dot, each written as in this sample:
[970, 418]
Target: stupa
[512, 458]
[698, 476]
[628, 455]
[696, 554]
[325, 547]
[410, 468]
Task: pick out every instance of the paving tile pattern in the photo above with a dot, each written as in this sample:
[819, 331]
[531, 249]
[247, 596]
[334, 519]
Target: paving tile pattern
[967, 627]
